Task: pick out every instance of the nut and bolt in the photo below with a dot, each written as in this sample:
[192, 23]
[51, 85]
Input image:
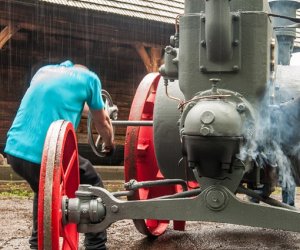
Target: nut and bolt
[114, 208]
[241, 107]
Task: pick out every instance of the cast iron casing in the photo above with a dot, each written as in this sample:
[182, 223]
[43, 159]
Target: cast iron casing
[245, 69]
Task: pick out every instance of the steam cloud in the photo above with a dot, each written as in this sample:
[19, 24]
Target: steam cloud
[275, 140]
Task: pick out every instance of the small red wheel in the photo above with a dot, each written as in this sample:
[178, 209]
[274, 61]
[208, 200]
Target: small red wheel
[140, 160]
[59, 177]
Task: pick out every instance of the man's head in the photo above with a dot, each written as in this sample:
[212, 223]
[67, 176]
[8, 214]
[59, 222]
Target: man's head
[81, 66]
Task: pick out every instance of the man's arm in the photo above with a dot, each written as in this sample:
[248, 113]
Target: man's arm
[85, 111]
[104, 127]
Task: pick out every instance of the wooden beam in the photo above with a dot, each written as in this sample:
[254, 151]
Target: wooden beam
[7, 33]
[151, 60]
[155, 58]
[99, 33]
[144, 56]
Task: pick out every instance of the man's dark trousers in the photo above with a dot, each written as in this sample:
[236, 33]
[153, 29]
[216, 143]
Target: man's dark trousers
[31, 173]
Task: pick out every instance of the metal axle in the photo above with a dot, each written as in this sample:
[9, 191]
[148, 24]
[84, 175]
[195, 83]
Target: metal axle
[132, 123]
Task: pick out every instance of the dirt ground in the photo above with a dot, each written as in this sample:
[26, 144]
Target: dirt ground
[15, 224]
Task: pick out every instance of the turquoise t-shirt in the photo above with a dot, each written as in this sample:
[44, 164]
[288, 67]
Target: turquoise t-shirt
[56, 92]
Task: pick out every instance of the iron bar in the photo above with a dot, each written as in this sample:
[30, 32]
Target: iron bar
[123, 193]
[267, 200]
[185, 194]
[133, 184]
[132, 123]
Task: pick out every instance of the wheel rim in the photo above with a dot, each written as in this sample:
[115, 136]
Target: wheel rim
[140, 161]
[95, 144]
[59, 177]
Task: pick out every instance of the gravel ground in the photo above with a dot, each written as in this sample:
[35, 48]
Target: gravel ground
[15, 224]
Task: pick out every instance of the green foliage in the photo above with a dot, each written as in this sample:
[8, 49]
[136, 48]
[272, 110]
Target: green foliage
[15, 189]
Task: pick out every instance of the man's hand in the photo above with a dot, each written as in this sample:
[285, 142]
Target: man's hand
[108, 150]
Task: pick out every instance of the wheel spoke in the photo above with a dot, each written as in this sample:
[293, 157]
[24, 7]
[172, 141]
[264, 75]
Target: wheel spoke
[66, 174]
[70, 166]
[72, 243]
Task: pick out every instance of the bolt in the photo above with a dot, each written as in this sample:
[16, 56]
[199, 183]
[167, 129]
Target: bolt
[203, 19]
[235, 68]
[235, 43]
[203, 43]
[203, 69]
[114, 208]
[215, 199]
[204, 131]
[241, 107]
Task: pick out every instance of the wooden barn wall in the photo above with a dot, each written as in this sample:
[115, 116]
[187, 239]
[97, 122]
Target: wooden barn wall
[51, 34]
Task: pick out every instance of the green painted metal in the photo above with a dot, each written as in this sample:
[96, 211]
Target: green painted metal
[215, 204]
[205, 110]
[254, 38]
[226, 40]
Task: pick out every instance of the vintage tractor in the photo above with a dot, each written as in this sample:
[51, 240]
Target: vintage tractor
[195, 137]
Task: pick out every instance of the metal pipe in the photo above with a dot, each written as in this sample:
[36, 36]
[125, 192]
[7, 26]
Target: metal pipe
[167, 94]
[284, 13]
[132, 123]
[218, 30]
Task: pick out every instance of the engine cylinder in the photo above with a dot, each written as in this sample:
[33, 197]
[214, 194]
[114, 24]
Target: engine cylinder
[213, 118]
[212, 132]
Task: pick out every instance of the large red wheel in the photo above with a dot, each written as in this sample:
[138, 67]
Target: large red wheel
[59, 177]
[140, 161]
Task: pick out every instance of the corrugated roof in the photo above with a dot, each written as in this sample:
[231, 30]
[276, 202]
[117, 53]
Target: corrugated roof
[156, 10]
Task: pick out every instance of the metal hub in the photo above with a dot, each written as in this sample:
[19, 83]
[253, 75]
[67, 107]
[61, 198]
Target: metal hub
[216, 198]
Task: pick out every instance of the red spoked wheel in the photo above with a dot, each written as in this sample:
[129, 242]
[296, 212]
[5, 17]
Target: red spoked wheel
[140, 160]
[59, 178]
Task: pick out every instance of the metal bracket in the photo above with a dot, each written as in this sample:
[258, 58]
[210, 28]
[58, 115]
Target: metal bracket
[234, 65]
[215, 204]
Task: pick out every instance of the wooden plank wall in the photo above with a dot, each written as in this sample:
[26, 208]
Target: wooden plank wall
[120, 78]
[49, 34]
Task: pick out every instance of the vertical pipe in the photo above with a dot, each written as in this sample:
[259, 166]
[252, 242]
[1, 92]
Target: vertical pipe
[218, 30]
[285, 37]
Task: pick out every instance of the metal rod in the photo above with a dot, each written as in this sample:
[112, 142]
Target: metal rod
[123, 193]
[267, 200]
[185, 194]
[132, 123]
[134, 185]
